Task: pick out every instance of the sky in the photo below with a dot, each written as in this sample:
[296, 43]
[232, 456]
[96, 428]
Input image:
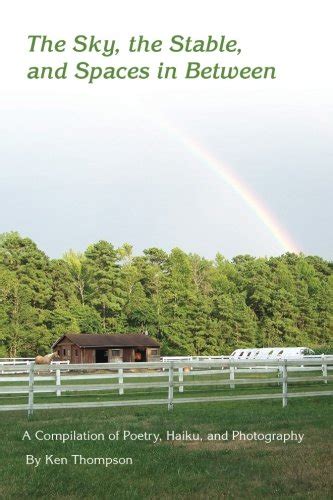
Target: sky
[236, 167]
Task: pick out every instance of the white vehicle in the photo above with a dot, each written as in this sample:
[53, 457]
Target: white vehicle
[272, 353]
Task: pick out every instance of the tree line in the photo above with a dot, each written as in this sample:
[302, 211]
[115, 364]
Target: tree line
[190, 304]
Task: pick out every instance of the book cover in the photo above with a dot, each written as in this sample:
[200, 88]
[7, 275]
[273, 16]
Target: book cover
[165, 250]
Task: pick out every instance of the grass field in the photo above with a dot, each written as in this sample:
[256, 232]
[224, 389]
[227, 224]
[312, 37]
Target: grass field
[197, 469]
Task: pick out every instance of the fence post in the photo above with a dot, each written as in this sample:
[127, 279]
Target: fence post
[170, 395]
[279, 373]
[324, 368]
[232, 375]
[284, 384]
[58, 382]
[181, 378]
[31, 389]
[121, 380]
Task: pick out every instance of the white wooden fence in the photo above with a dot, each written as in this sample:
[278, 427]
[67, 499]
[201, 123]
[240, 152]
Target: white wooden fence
[166, 359]
[20, 364]
[177, 375]
[15, 362]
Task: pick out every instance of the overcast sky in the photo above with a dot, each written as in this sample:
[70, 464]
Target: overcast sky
[84, 162]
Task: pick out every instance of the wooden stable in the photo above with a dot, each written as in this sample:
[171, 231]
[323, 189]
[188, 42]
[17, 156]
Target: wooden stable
[92, 348]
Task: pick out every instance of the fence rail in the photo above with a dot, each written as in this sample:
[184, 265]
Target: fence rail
[173, 376]
[21, 365]
[165, 359]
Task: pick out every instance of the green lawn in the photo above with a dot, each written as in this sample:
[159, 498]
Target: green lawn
[232, 469]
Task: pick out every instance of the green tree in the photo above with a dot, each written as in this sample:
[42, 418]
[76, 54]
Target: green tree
[104, 290]
[78, 269]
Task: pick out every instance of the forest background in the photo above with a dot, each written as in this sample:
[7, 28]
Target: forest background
[190, 304]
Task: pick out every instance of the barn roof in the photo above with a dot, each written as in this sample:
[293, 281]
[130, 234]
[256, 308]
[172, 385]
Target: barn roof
[106, 340]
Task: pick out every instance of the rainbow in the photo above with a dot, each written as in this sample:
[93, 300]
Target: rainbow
[231, 178]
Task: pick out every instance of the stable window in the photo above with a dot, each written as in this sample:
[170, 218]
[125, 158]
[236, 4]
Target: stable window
[154, 352]
[64, 352]
[115, 353]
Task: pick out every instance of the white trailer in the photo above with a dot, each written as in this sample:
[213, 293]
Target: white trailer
[272, 353]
